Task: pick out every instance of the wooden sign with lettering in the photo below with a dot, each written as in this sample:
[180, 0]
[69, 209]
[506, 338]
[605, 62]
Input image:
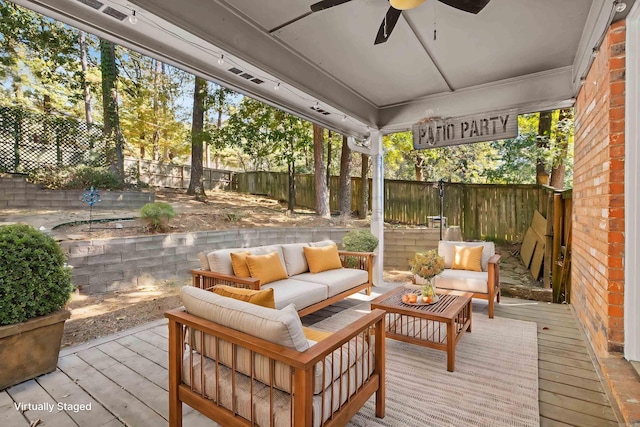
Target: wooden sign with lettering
[464, 130]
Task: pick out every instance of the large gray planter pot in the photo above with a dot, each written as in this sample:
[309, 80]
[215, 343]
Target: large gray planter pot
[30, 348]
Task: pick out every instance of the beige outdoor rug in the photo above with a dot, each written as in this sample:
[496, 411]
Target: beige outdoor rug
[495, 382]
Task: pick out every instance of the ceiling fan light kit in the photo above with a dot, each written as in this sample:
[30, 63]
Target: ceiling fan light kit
[405, 4]
[397, 6]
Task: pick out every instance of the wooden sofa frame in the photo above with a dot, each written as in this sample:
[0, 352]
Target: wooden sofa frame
[205, 279]
[302, 370]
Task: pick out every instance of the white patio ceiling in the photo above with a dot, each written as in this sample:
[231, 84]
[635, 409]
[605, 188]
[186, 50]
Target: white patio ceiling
[523, 54]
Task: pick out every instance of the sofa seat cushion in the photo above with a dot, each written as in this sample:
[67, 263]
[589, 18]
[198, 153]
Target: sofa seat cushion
[463, 280]
[301, 294]
[220, 377]
[282, 327]
[337, 281]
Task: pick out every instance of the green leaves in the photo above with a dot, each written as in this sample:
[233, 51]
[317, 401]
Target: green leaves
[34, 280]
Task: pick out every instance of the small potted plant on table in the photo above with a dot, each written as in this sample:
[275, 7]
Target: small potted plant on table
[426, 266]
[35, 285]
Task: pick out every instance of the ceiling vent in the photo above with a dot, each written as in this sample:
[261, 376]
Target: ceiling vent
[95, 4]
[115, 13]
[257, 81]
[235, 70]
[239, 72]
[246, 76]
[320, 110]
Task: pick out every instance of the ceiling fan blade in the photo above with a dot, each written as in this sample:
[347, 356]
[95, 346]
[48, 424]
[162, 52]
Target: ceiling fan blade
[388, 24]
[471, 6]
[326, 4]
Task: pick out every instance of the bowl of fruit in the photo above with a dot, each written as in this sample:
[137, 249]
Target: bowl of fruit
[411, 298]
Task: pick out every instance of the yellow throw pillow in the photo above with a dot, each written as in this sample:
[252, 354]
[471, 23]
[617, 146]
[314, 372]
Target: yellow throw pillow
[467, 258]
[239, 264]
[322, 258]
[314, 334]
[262, 298]
[268, 268]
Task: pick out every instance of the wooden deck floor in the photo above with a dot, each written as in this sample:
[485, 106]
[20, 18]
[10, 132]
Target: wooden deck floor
[124, 376]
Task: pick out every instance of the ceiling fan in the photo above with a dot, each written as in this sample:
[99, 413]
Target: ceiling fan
[397, 6]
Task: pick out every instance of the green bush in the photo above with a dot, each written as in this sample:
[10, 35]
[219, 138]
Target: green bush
[157, 215]
[360, 241]
[34, 280]
[77, 178]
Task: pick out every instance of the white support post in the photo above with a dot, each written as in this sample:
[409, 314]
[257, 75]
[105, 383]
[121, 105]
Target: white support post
[631, 189]
[377, 204]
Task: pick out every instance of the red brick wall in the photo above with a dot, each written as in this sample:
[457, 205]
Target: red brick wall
[597, 274]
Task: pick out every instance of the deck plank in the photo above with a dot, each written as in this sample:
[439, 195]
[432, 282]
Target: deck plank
[9, 415]
[146, 350]
[30, 392]
[63, 389]
[570, 380]
[142, 366]
[146, 391]
[596, 397]
[566, 354]
[587, 408]
[583, 369]
[576, 347]
[120, 402]
[573, 418]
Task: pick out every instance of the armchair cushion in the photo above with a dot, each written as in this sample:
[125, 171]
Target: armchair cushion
[294, 259]
[463, 280]
[338, 280]
[446, 249]
[263, 298]
[293, 291]
[467, 258]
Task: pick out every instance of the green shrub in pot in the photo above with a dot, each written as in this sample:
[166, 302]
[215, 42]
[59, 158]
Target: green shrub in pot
[34, 279]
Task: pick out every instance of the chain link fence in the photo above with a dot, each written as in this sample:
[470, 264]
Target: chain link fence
[31, 140]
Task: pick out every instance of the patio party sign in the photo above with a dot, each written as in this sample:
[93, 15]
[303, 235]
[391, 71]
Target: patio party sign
[437, 132]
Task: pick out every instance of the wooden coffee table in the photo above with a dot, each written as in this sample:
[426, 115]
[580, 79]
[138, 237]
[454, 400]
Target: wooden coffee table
[439, 326]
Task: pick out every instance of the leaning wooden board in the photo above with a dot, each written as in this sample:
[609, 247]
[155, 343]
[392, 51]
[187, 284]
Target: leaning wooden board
[528, 246]
[539, 227]
[537, 260]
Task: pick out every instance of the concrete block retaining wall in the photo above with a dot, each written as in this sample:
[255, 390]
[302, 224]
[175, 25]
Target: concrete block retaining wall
[401, 244]
[17, 193]
[120, 263]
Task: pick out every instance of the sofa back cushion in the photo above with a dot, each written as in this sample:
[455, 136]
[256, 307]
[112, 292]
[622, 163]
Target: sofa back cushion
[294, 259]
[322, 243]
[204, 262]
[263, 298]
[282, 327]
[446, 249]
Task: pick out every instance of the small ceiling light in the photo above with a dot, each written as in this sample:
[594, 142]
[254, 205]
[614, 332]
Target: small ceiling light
[368, 128]
[277, 86]
[405, 4]
[221, 60]
[343, 119]
[620, 6]
[594, 52]
[317, 106]
[133, 19]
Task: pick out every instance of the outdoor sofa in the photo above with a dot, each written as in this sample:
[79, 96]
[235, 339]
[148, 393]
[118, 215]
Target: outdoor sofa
[295, 283]
[482, 278]
[242, 364]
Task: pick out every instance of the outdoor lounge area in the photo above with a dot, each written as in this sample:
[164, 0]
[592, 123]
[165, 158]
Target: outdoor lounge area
[123, 378]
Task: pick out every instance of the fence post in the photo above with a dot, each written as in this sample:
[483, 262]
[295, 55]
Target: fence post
[16, 145]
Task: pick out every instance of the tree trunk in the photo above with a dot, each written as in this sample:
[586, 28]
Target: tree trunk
[363, 208]
[110, 104]
[291, 172]
[344, 191]
[322, 192]
[329, 162]
[196, 187]
[544, 133]
[85, 69]
[562, 142]
[418, 163]
[155, 143]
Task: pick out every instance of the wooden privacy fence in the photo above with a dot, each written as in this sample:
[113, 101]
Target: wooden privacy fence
[158, 174]
[500, 213]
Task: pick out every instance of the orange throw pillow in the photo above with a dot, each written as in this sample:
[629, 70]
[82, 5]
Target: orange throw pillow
[262, 298]
[268, 268]
[322, 258]
[239, 264]
[467, 258]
